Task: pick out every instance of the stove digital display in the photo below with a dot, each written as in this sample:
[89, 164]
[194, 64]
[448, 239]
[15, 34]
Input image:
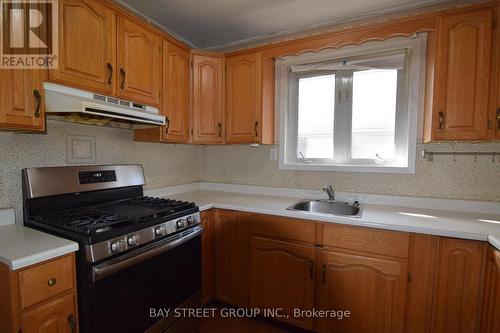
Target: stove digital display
[93, 177]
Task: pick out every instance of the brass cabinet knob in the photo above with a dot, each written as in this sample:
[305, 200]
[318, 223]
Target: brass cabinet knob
[52, 282]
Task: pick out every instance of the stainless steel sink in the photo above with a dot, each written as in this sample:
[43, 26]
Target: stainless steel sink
[328, 207]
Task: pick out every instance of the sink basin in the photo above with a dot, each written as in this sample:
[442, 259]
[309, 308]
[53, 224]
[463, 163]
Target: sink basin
[327, 207]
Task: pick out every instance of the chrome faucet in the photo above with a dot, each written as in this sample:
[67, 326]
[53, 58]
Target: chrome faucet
[329, 190]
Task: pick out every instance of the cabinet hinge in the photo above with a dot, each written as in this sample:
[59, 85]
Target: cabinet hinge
[488, 123]
[191, 63]
[192, 132]
[409, 277]
[494, 24]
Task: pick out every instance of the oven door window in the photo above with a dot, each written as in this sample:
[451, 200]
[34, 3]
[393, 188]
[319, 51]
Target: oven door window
[123, 300]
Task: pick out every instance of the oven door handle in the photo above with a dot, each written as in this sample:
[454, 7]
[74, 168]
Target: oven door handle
[143, 254]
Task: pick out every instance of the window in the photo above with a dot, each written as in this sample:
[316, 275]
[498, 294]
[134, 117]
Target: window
[351, 109]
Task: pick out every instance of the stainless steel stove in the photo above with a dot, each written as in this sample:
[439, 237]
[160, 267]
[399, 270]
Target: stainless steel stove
[132, 247]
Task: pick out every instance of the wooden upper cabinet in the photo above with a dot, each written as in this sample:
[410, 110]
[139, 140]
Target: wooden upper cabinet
[496, 95]
[372, 289]
[207, 98]
[175, 101]
[458, 277]
[87, 46]
[243, 98]
[490, 322]
[282, 276]
[22, 99]
[139, 63]
[462, 76]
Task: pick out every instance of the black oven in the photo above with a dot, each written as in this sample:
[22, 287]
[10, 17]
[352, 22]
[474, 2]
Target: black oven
[130, 293]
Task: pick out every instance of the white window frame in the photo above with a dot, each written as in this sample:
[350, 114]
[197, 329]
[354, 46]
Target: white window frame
[408, 109]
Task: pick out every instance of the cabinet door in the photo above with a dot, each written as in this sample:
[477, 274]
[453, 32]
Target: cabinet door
[372, 289]
[175, 105]
[232, 257]
[463, 72]
[56, 316]
[282, 276]
[458, 282]
[208, 126]
[207, 257]
[22, 99]
[496, 94]
[139, 63]
[243, 98]
[490, 322]
[87, 46]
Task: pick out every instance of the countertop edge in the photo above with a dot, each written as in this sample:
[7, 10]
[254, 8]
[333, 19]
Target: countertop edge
[37, 258]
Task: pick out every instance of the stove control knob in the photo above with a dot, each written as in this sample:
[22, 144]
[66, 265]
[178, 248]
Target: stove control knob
[160, 231]
[133, 240]
[190, 220]
[118, 246]
[181, 223]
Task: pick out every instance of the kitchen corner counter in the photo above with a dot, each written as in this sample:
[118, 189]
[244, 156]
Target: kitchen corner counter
[462, 223]
[22, 246]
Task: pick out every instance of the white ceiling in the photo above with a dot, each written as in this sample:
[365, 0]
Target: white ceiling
[215, 24]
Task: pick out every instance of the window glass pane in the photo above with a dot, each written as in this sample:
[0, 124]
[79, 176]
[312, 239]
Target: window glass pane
[374, 114]
[316, 108]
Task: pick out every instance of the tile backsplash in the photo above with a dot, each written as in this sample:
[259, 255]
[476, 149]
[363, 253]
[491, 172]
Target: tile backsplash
[164, 165]
[68, 144]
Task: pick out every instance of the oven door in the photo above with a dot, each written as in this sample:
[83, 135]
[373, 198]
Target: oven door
[130, 291]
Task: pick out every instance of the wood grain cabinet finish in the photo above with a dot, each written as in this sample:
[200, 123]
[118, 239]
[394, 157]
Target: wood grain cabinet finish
[282, 276]
[458, 281]
[496, 95]
[56, 316]
[139, 63]
[39, 298]
[22, 99]
[243, 98]
[232, 257]
[207, 98]
[87, 46]
[462, 76]
[490, 322]
[207, 256]
[175, 104]
[372, 289]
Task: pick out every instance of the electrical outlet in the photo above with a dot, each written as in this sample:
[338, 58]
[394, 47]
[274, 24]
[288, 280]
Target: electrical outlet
[274, 154]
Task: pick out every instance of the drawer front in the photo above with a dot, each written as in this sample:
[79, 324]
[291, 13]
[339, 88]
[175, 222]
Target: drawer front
[373, 241]
[46, 280]
[283, 227]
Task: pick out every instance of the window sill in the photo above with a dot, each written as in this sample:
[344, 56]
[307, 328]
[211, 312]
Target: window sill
[347, 168]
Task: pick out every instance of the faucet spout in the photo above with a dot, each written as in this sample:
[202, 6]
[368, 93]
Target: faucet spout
[329, 190]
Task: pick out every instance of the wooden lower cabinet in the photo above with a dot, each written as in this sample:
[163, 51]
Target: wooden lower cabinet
[458, 282]
[39, 298]
[373, 290]
[490, 322]
[282, 276]
[56, 316]
[388, 281]
[231, 257]
[207, 257]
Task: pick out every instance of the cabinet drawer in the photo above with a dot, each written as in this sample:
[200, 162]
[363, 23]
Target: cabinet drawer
[389, 243]
[45, 281]
[283, 227]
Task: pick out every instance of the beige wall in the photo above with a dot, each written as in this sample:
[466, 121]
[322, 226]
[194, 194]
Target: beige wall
[163, 164]
[442, 178]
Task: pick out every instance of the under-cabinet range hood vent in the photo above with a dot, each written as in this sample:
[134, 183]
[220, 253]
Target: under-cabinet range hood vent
[81, 106]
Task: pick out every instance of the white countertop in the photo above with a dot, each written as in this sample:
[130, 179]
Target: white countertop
[462, 220]
[22, 246]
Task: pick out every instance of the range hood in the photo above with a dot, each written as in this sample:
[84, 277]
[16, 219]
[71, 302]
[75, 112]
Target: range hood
[96, 109]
